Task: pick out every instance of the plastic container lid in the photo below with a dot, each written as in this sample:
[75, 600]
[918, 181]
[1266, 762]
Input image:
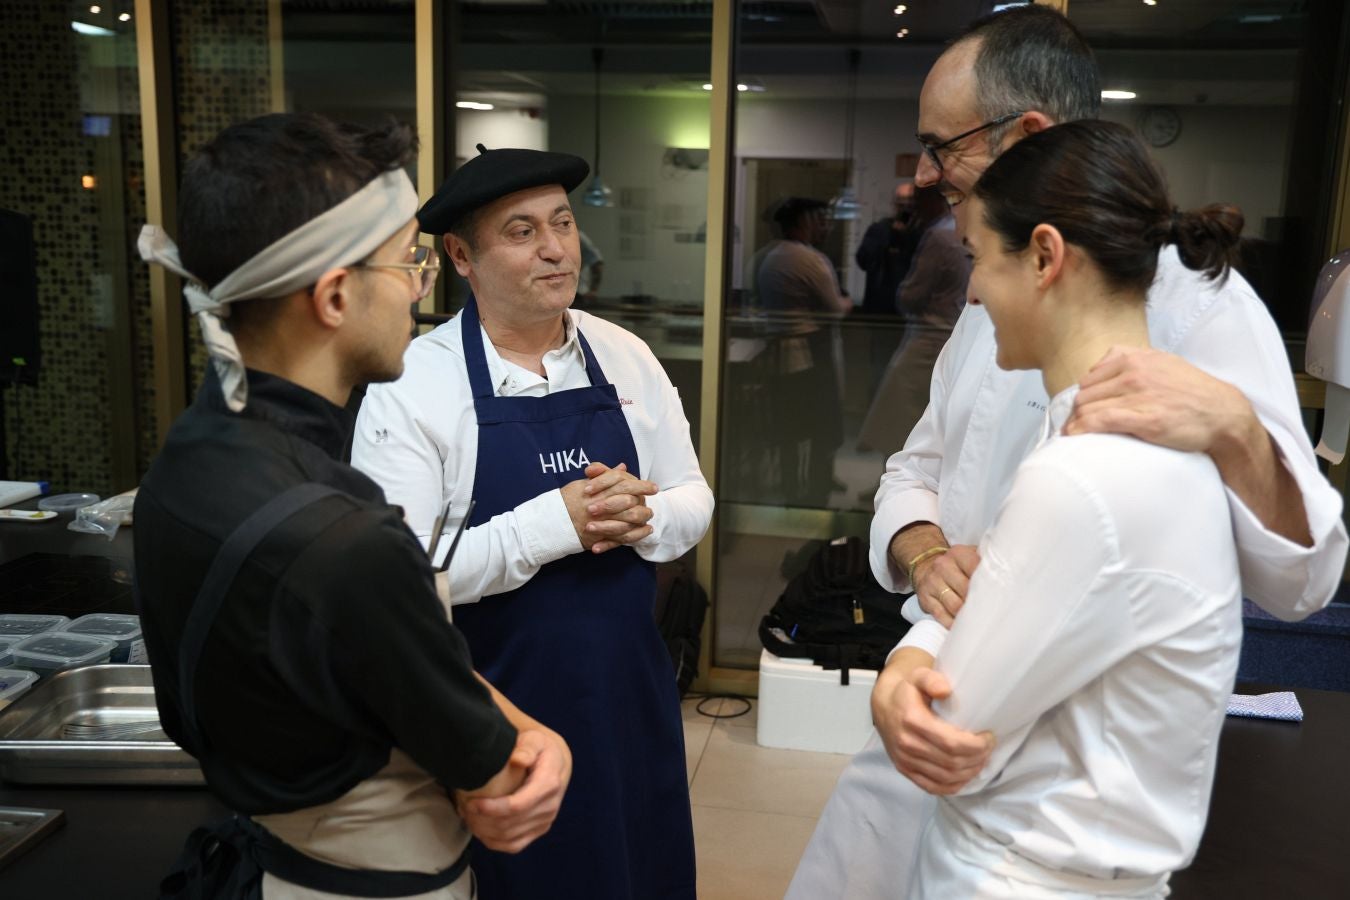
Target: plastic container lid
[24, 625]
[61, 650]
[123, 629]
[61, 503]
[14, 683]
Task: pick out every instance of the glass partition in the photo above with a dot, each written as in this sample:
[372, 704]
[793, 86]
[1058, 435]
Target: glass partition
[75, 357]
[622, 86]
[846, 280]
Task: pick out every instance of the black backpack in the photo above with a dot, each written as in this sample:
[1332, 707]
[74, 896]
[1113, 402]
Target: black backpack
[834, 613]
[680, 607]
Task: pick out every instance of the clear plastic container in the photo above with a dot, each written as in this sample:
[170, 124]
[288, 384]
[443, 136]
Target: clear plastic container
[53, 652]
[126, 630]
[63, 503]
[22, 625]
[14, 683]
[7, 641]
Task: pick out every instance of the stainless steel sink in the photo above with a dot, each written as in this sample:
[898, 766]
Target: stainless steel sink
[35, 747]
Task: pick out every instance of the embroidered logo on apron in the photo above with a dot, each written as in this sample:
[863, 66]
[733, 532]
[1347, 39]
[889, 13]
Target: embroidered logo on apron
[563, 460]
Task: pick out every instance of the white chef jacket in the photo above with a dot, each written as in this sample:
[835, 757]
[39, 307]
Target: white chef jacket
[982, 421]
[418, 439]
[1099, 643]
[956, 468]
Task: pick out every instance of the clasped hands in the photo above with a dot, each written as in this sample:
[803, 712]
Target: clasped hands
[609, 507]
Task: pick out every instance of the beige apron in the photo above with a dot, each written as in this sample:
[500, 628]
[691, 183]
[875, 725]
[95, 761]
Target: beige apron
[399, 819]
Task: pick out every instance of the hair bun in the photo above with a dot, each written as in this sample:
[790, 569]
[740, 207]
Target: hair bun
[1207, 238]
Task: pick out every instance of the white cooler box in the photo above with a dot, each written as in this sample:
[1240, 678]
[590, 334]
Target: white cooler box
[804, 707]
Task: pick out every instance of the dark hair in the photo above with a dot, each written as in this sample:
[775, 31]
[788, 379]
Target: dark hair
[261, 179]
[466, 228]
[791, 212]
[1095, 183]
[1032, 58]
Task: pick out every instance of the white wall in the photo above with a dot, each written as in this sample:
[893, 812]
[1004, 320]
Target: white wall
[1229, 154]
[498, 128]
[647, 237]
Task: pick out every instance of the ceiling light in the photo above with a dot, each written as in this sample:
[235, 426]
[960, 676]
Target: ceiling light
[900, 10]
[1150, 2]
[124, 17]
[742, 87]
[1118, 95]
[88, 182]
[96, 9]
[902, 32]
[470, 104]
[91, 30]
[707, 87]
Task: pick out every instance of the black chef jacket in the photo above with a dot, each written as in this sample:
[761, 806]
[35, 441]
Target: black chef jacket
[331, 647]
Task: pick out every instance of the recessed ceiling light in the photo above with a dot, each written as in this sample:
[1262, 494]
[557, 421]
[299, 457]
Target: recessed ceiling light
[91, 30]
[742, 87]
[900, 10]
[124, 17]
[902, 32]
[1150, 2]
[470, 104]
[1118, 95]
[96, 9]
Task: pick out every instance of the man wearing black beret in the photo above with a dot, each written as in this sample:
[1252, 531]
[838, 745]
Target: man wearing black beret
[570, 441]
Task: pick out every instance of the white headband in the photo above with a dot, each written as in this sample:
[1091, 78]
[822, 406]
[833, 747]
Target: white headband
[345, 234]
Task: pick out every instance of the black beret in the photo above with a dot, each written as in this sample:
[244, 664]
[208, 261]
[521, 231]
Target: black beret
[493, 174]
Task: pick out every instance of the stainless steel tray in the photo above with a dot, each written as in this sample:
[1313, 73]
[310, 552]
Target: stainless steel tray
[21, 828]
[33, 750]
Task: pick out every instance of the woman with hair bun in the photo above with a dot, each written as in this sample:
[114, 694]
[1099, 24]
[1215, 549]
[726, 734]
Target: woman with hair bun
[1099, 639]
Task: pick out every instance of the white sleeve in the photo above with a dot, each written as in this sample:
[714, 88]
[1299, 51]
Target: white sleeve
[1030, 633]
[412, 447]
[909, 487]
[1240, 344]
[683, 507]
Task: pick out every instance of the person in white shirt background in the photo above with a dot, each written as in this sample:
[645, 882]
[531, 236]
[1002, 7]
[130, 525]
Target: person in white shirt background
[1099, 640]
[569, 438]
[1216, 380]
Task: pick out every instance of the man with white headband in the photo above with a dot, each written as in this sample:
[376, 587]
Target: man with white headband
[568, 437]
[298, 645]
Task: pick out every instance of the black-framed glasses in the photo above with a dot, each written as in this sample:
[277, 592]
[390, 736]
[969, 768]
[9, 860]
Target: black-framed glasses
[423, 269]
[933, 149]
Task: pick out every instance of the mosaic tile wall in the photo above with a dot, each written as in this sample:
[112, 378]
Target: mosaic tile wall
[58, 430]
[221, 76]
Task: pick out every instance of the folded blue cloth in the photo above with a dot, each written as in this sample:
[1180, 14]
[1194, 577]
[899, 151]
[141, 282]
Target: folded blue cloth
[1282, 705]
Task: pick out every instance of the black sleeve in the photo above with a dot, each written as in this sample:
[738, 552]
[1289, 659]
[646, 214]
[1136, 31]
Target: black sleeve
[872, 248]
[381, 653]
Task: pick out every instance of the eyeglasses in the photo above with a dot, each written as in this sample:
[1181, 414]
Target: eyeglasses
[933, 149]
[423, 269]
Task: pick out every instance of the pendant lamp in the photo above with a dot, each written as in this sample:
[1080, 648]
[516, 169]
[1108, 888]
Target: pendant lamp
[598, 194]
[845, 206]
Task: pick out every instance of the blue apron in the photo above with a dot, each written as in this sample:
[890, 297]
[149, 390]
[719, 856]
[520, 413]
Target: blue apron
[577, 648]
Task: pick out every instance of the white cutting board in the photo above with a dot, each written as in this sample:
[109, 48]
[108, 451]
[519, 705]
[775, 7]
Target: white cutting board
[15, 491]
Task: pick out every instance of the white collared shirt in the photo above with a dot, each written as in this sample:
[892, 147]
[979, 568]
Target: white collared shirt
[418, 438]
[1099, 643]
[981, 421]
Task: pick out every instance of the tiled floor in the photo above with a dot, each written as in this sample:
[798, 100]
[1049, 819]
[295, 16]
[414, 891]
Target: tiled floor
[754, 808]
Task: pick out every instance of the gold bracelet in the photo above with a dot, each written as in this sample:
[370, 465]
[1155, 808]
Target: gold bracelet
[927, 554]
